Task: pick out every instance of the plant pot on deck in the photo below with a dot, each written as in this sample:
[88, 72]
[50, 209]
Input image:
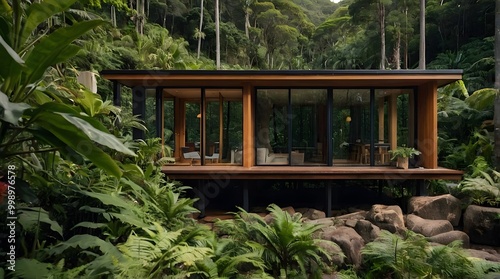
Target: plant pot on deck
[402, 163]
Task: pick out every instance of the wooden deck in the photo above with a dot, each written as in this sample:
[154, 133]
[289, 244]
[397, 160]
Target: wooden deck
[308, 172]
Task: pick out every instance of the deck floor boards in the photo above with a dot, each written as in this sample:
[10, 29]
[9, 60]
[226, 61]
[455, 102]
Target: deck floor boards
[308, 172]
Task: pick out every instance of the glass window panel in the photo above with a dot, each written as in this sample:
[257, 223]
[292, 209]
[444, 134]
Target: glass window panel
[168, 126]
[271, 127]
[308, 126]
[351, 126]
[381, 126]
[232, 145]
[192, 130]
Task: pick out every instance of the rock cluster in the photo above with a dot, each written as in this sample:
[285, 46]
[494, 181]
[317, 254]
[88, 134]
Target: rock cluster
[438, 218]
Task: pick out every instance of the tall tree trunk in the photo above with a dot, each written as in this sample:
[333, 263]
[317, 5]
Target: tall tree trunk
[405, 65]
[382, 34]
[397, 51]
[247, 22]
[113, 16]
[201, 28]
[496, 118]
[421, 60]
[217, 35]
[140, 17]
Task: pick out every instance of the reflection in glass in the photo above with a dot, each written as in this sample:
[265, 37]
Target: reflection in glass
[271, 127]
[309, 138]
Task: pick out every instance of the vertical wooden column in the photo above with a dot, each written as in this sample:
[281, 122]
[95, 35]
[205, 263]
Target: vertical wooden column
[411, 119]
[248, 127]
[221, 125]
[393, 121]
[138, 108]
[427, 125]
[381, 120]
[179, 126]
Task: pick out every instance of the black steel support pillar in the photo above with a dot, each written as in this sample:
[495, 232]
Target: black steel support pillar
[138, 108]
[159, 112]
[117, 93]
[421, 187]
[201, 203]
[246, 200]
[328, 198]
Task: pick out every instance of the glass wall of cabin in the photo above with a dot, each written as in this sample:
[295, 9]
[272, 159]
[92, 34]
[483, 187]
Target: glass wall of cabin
[209, 121]
[292, 125]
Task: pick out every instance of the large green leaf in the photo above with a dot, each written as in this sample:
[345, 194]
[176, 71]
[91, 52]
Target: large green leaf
[482, 99]
[96, 135]
[10, 59]
[30, 217]
[52, 47]
[11, 112]
[77, 140]
[90, 103]
[31, 269]
[39, 12]
[86, 241]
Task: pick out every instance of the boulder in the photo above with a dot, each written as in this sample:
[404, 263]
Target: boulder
[427, 227]
[311, 213]
[368, 231]
[448, 237]
[348, 240]
[387, 217]
[482, 224]
[323, 221]
[334, 251]
[443, 207]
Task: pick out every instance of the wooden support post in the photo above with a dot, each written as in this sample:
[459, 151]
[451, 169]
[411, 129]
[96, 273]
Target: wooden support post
[221, 125]
[381, 119]
[427, 125]
[393, 121]
[248, 127]
[179, 126]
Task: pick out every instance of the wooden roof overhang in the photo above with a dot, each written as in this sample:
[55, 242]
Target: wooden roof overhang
[308, 172]
[288, 78]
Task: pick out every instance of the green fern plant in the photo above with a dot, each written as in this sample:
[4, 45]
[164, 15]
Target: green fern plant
[287, 245]
[483, 189]
[395, 256]
[163, 253]
[450, 261]
[411, 256]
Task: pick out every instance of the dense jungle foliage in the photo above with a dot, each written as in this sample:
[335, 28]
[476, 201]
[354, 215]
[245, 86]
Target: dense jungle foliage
[90, 202]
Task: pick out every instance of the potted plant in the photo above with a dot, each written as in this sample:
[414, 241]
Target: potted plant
[402, 154]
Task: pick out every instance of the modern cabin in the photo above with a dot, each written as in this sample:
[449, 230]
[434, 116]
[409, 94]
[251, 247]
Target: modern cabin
[289, 125]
